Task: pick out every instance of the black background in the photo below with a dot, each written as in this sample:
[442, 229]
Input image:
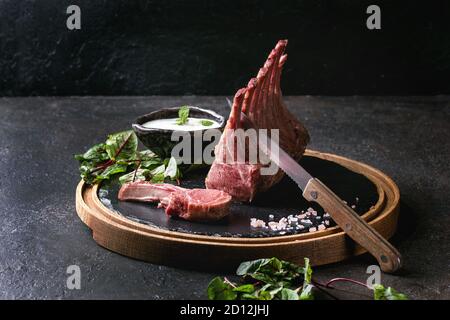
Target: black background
[213, 47]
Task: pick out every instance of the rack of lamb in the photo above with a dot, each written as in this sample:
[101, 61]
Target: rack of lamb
[262, 103]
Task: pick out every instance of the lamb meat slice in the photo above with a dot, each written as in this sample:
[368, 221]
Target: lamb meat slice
[198, 204]
[143, 191]
[262, 102]
[188, 204]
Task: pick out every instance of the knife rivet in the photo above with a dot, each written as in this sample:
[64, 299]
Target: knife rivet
[314, 194]
[348, 227]
[384, 259]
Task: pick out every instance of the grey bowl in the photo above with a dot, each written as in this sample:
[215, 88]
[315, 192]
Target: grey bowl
[159, 140]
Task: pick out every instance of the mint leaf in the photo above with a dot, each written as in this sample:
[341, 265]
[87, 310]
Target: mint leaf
[183, 115]
[206, 123]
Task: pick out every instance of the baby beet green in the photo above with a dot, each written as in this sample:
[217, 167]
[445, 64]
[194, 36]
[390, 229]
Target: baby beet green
[118, 157]
[266, 279]
[274, 279]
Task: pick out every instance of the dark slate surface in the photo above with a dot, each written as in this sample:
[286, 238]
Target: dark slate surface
[40, 233]
[144, 47]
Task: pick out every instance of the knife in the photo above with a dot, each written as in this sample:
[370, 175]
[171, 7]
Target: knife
[345, 217]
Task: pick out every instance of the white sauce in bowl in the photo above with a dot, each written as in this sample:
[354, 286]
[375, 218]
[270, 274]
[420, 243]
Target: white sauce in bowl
[171, 124]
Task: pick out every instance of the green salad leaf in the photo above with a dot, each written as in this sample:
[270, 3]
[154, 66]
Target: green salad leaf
[307, 293]
[288, 294]
[272, 271]
[245, 288]
[139, 174]
[268, 279]
[118, 157]
[382, 293]
[219, 290]
[96, 153]
[111, 170]
[158, 174]
[122, 145]
[275, 279]
[171, 170]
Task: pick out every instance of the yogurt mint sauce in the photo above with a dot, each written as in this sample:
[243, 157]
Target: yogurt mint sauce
[191, 125]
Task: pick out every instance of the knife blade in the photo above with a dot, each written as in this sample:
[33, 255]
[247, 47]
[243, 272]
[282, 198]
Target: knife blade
[314, 190]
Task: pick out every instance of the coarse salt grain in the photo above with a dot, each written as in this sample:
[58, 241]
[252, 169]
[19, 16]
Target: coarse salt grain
[312, 229]
[273, 225]
[257, 223]
[321, 227]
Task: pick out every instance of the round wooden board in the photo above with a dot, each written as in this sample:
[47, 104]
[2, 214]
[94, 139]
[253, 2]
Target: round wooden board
[143, 242]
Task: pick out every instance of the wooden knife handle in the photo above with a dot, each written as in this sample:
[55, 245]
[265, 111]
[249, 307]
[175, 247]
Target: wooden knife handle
[353, 225]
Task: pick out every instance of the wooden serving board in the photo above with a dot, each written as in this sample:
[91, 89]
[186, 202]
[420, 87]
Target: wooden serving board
[116, 228]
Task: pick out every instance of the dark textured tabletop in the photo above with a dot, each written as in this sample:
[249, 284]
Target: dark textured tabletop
[41, 234]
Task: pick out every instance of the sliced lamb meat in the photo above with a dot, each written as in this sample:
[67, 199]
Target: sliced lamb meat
[146, 192]
[262, 102]
[188, 204]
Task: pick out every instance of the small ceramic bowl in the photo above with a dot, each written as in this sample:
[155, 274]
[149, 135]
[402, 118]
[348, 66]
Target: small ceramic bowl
[159, 140]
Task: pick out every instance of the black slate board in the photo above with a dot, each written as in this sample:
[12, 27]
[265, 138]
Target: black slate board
[282, 200]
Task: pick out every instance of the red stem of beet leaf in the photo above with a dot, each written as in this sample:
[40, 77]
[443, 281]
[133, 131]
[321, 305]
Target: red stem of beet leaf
[329, 283]
[136, 170]
[103, 166]
[319, 286]
[111, 161]
[229, 282]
